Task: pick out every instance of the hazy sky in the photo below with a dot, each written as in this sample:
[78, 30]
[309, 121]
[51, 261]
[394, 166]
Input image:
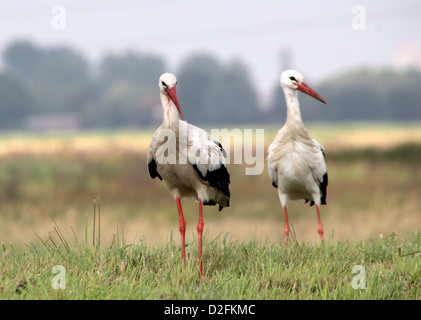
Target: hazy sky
[321, 39]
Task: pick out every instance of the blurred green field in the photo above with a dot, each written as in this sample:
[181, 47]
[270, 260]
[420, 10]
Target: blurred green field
[374, 188]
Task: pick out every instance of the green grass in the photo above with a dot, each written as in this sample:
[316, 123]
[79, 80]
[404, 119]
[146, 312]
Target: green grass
[255, 269]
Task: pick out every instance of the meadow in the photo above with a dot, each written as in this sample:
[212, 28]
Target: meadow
[85, 201]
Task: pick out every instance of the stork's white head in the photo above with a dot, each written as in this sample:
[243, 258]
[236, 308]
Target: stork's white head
[167, 84]
[291, 79]
[167, 81]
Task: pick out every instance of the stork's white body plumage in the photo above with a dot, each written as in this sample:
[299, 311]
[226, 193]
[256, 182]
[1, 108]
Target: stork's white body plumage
[296, 162]
[296, 165]
[188, 159]
[203, 157]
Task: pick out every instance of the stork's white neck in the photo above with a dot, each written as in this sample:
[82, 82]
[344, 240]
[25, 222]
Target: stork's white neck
[293, 106]
[170, 112]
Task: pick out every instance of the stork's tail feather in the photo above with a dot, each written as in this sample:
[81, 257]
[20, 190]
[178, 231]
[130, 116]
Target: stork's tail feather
[227, 205]
[213, 203]
[209, 203]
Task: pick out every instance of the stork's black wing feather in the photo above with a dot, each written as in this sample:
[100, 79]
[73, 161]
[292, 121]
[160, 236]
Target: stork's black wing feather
[152, 170]
[219, 178]
[323, 188]
[323, 183]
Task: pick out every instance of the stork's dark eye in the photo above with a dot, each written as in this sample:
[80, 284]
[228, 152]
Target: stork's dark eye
[292, 78]
[164, 84]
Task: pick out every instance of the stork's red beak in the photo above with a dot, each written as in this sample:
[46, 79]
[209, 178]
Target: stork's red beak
[304, 87]
[173, 96]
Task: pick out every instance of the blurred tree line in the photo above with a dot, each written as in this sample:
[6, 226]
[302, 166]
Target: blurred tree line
[360, 95]
[122, 91]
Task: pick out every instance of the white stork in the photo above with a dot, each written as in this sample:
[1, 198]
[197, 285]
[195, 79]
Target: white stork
[198, 168]
[296, 162]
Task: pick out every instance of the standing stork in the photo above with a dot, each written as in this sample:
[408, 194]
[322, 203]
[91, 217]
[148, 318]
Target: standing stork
[197, 169]
[296, 162]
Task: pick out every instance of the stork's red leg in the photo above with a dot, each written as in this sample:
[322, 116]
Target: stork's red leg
[182, 228]
[286, 225]
[319, 224]
[199, 234]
